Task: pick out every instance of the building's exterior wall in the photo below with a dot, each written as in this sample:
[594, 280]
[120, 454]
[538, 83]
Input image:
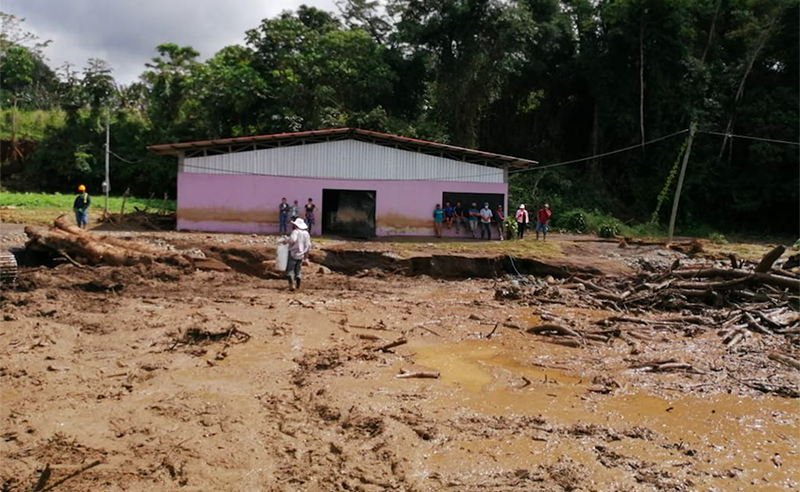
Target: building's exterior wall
[343, 159]
[249, 204]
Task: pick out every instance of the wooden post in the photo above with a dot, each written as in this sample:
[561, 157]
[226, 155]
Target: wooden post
[692, 131]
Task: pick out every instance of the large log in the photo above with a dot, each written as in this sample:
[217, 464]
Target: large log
[710, 273]
[766, 262]
[73, 242]
[63, 224]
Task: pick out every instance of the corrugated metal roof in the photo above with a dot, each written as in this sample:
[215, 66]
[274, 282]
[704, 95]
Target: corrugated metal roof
[343, 159]
[238, 144]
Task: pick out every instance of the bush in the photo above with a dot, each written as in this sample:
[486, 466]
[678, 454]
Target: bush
[511, 227]
[574, 220]
[608, 229]
[717, 238]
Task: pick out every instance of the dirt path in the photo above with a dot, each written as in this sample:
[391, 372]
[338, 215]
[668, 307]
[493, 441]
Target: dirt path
[219, 381]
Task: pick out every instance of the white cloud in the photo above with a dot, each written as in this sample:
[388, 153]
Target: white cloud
[125, 32]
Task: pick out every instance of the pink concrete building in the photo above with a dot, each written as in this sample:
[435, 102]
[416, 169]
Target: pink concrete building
[363, 183]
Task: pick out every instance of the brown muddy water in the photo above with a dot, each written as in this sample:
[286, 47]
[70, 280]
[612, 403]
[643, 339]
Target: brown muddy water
[743, 443]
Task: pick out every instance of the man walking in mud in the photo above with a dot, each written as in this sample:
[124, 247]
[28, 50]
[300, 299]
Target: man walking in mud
[299, 243]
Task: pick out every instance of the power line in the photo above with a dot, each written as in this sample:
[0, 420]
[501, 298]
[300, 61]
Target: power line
[124, 159]
[749, 137]
[618, 151]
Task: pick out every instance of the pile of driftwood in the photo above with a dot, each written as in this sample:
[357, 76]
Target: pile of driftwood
[698, 288]
[737, 301]
[85, 248]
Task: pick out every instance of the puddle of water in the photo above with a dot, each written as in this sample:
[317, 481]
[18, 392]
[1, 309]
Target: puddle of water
[469, 365]
[736, 433]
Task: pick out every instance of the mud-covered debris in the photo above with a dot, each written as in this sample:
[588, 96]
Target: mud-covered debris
[101, 285]
[568, 474]
[199, 336]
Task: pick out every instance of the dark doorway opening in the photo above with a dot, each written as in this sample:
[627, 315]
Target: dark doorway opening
[467, 199]
[348, 213]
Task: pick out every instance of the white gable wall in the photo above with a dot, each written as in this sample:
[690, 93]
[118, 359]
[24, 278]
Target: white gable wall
[343, 159]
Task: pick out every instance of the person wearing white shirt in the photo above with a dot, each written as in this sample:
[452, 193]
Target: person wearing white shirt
[486, 222]
[299, 245]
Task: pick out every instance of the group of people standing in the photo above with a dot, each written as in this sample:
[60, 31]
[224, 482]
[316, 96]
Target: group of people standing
[470, 218]
[288, 213]
[542, 218]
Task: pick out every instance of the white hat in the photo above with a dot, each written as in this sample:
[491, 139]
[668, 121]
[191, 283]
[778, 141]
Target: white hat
[522, 206]
[300, 224]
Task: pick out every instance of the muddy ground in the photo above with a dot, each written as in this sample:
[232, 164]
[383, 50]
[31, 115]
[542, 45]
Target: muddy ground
[155, 378]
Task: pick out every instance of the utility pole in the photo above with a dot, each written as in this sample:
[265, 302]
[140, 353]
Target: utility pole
[107, 182]
[692, 131]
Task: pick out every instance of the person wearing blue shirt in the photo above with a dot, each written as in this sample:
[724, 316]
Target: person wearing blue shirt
[474, 216]
[449, 215]
[283, 215]
[438, 215]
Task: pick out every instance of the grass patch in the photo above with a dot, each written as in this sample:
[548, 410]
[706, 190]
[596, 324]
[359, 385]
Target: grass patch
[57, 201]
[523, 249]
[43, 208]
[745, 251]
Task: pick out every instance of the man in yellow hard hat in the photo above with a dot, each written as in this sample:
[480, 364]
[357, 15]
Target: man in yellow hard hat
[81, 207]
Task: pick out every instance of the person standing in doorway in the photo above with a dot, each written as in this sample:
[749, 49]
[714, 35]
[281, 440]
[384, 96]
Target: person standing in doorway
[283, 215]
[458, 216]
[486, 222]
[522, 221]
[299, 243]
[541, 221]
[438, 216]
[310, 208]
[294, 210]
[499, 219]
[474, 216]
[81, 207]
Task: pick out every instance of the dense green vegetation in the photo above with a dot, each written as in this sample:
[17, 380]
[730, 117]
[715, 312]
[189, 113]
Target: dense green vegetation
[543, 79]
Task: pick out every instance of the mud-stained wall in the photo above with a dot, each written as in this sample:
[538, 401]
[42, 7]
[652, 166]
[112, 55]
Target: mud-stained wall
[249, 204]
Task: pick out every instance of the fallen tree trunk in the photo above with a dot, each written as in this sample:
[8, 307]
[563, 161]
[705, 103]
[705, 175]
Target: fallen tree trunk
[789, 361]
[710, 273]
[62, 223]
[552, 327]
[417, 374]
[767, 261]
[84, 246]
[783, 282]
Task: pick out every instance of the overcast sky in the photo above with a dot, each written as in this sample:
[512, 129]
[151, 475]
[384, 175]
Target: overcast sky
[126, 32]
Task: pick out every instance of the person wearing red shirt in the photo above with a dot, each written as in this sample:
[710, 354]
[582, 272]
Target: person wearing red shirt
[541, 221]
